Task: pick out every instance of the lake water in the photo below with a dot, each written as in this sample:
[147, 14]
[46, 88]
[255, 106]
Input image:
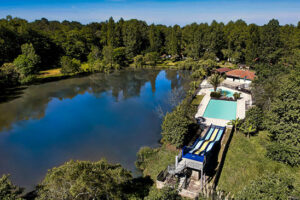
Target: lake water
[86, 118]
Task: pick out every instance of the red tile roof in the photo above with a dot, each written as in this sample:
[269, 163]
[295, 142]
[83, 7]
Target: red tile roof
[223, 69]
[241, 74]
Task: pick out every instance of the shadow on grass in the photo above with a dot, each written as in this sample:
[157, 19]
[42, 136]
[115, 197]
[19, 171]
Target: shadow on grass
[223, 159]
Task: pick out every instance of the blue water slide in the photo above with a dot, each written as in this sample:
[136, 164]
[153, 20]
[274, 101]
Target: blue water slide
[197, 146]
[219, 136]
[211, 130]
[210, 146]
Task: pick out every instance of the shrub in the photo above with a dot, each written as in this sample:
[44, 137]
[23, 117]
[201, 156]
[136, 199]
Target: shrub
[237, 95]
[69, 65]
[163, 194]
[138, 61]
[27, 62]
[86, 67]
[151, 58]
[28, 79]
[142, 156]
[9, 191]
[9, 75]
[199, 73]
[216, 95]
[84, 180]
[270, 186]
[255, 117]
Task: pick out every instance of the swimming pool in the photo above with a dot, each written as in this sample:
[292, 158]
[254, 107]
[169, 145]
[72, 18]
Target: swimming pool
[228, 93]
[220, 109]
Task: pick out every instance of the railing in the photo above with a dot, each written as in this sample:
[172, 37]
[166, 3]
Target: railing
[180, 156]
[162, 175]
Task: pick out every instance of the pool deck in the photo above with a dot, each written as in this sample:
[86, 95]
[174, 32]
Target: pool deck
[240, 108]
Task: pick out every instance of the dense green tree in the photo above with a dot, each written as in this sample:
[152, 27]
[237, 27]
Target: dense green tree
[27, 62]
[9, 75]
[9, 191]
[163, 194]
[270, 186]
[252, 44]
[254, 116]
[111, 33]
[138, 61]
[155, 39]
[174, 41]
[151, 58]
[175, 127]
[283, 121]
[84, 180]
[135, 37]
[94, 55]
[69, 65]
[108, 55]
[270, 42]
[119, 56]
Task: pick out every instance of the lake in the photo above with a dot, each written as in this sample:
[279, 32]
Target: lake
[84, 118]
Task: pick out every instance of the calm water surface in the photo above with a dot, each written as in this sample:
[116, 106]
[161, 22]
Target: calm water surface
[85, 118]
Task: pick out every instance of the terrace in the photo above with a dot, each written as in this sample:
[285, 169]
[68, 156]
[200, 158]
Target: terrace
[242, 104]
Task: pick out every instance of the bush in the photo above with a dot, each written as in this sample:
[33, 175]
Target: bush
[284, 152]
[142, 156]
[69, 65]
[199, 73]
[84, 180]
[255, 117]
[237, 95]
[28, 79]
[270, 186]
[27, 62]
[138, 61]
[9, 75]
[216, 95]
[151, 58]
[175, 127]
[9, 191]
[165, 193]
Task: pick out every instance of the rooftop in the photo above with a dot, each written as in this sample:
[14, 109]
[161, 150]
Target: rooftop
[241, 74]
[223, 69]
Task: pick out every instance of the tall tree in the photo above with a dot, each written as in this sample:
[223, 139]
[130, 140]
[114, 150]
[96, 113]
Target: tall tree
[27, 62]
[270, 42]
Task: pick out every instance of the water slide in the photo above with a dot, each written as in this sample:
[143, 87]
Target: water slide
[200, 142]
[206, 143]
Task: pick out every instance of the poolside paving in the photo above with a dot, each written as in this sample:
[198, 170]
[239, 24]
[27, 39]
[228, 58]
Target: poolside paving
[240, 110]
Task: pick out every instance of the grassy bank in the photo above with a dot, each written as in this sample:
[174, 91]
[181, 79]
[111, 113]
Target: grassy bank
[157, 160]
[246, 161]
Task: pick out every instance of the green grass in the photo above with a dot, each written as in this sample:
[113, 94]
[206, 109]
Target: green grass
[246, 160]
[159, 161]
[197, 100]
[50, 73]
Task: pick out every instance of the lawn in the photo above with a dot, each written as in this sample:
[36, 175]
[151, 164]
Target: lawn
[246, 160]
[159, 161]
[197, 100]
[50, 73]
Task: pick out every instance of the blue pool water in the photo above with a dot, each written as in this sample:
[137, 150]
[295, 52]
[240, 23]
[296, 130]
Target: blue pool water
[228, 93]
[220, 109]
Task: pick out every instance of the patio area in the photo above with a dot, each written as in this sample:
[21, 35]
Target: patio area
[242, 103]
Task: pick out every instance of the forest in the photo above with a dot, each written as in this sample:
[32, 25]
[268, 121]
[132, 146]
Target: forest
[271, 50]
[29, 47]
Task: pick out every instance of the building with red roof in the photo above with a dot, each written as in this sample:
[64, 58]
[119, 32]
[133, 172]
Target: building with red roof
[223, 70]
[239, 75]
